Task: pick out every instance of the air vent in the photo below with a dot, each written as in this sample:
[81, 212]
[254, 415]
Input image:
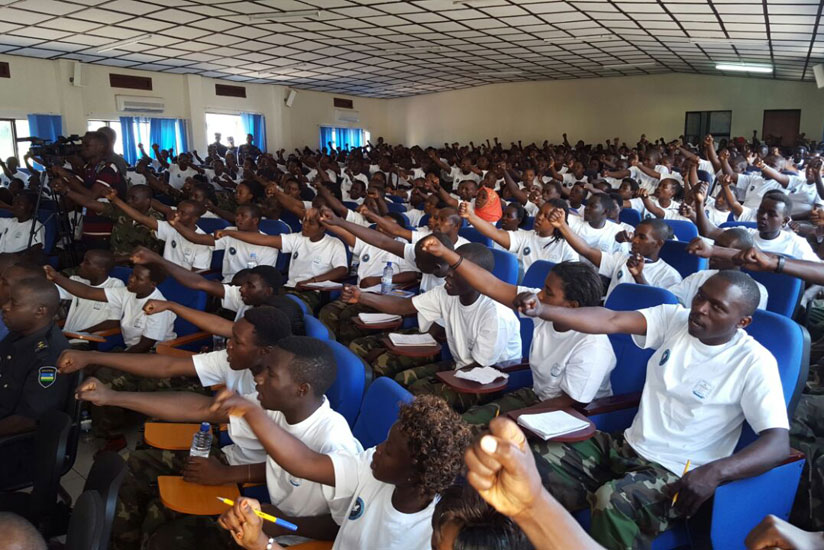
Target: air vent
[130, 81]
[230, 91]
[341, 103]
[4, 70]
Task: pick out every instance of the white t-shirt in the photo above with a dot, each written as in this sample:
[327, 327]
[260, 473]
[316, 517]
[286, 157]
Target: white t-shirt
[646, 181]
[602, 239]
[134, 178]
[788, 243]
[428, 280]
[177, 177]
[658, 273]
[456, 175]
[233, 301]
[134, 323]
[22, 176]
[530, 247]
[324, 431]
[570, 362]
[670, 212]
[213, 368]
[310, 259]
[370, 520]
[357, 218]
[696, 396]
[87, 313]
[802, 194]
[715, 216]
[14, 235]
[239, 254]
[373, 261]
[754, 186]
[414, 216]
[686, 290]
[484, 332]
[181, 251]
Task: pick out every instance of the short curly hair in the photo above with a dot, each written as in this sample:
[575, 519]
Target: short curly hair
[437, 438]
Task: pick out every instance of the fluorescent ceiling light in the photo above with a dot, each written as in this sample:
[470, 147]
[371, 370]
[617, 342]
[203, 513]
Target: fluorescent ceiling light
[124, 43]
[629, 65]
[286, 15]
[578, 39]
[744, 68]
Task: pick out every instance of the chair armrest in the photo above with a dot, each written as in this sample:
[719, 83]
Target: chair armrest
[169, 347]
[512, 366]
[87, 336]
[14, 438]
[609, 404]
[108, 332]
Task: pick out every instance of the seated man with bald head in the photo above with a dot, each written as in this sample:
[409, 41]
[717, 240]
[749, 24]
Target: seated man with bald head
[19, 534]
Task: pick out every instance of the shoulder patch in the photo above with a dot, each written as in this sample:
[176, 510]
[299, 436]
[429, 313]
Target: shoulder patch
[41, 345]
[46, 376]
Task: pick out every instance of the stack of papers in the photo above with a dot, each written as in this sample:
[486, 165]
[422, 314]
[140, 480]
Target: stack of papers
[399, 292]
[552, 424]
[481, 375]
[376, 318]
[327, 285]
[411, 340]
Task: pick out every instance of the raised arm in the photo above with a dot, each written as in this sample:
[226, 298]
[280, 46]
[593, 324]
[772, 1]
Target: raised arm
[148, 221]
[387, 304]
[74, 287]
[705, 227]
[146, 365]
[191, 235]
[252, 238]
[369, 236]
[143, 255]
[82, 199]
[556, 218]
[292, 204]
[389, 226]
[656, 210]
[772, 173]
[519, 194]
[500, 236]
[735, 206]
[589, 320]
[208, 322]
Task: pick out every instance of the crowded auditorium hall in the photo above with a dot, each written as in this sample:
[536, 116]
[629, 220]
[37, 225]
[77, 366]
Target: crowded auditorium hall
[411, 275]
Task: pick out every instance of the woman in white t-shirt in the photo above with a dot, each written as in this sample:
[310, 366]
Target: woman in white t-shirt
[388, 492]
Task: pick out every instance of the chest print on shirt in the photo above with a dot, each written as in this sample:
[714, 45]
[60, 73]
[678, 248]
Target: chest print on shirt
[357, 509]
[295, 255]
[174, 244]
[232, 250]
[664, 358]
[702, 389]
[556, 370]
[527, 250]
[365, 258]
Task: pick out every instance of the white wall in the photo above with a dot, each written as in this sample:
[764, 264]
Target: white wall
[598, 109]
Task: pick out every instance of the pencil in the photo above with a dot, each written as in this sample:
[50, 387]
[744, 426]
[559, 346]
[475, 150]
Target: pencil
[264, 515]
[686, 468]
[497, 411]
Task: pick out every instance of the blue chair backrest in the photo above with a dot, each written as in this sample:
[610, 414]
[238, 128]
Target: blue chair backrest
[217, 260]
[783, 291]
[395, 207]
[729, 224]
[315, 328]
[675, 253]
[474, 236]
[291, 220]
[630, 216]
[529, 223]
[379, 411]
[506, 266]
[346, 393]
[424, 221]
[789, 343]
[195, 299]
[121, 272]
[631, 367]
[301, 303]
[535, 276]
[274, 227]
[395, 198]
[684, 230]
[351, 205]
[210, 225]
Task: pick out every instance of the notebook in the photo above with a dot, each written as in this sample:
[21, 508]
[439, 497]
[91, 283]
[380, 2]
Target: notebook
[327, 285]
[375, 318]
[481, 375]
[551, 424]
[414, 340]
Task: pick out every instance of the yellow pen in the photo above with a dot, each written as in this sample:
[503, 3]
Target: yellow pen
[264, 515]
[497, 410]
[686, 468]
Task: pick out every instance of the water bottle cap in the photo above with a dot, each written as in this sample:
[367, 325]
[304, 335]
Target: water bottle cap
[205, 427]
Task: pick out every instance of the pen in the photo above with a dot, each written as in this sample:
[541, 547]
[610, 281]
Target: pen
[686, 467]
[264, 515]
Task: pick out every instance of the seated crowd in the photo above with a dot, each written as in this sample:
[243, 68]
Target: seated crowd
[275, 243]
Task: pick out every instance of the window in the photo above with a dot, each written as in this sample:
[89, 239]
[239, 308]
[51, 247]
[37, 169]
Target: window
[342, 137]
[93, 125]
[700, 123]
[228, 126]
[10, 131]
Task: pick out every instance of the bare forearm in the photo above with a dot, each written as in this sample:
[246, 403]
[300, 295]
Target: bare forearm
[771, 447]
[148, 221]
[193, 236]
[580, 245]
[189, 278]
[80, 290]
[204, 321]
[482, 280]
[370, 236]
[550, 527]
[387, 304]
[256, 238]
[335, 274]
[144, 365]
[705, 226]
[169, 406]
[596, 320]
[486, 229]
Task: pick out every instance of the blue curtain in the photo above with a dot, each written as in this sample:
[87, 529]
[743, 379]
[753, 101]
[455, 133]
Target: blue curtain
[166, 132]
[342, 137]
[326, 135]
[180, 128]
[128, 139]
[45, 126]
[256, 125]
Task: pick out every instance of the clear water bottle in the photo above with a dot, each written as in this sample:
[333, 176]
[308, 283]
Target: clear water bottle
[85, 426]
[218, 342]
[253, 261]
[386, 279]
[202, 441]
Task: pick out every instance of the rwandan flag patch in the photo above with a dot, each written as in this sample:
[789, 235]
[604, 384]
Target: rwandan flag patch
[47, 376]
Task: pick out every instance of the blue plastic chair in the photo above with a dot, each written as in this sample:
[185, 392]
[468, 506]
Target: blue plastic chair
[291, 220]
[346, 393]
[424, 221]
[684, 230]
[506, 266]
[379, 411]
[274, 227]
[675, 254]
[210, 225]
[121, 272]
[529, 223]
[315, 328]
[727, 225]
[183, 295]
[474, 236]
[630, 216]
[351, 205]
[301, 303]
[536, 275]
[395, 207]
[783, 291]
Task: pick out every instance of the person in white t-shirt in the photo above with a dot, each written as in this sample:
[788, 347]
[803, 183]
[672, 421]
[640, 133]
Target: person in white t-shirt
[662, 205]
[642, 265]
[15, 231]
[388, 492]
[87, 315]
[315, 256]
[595, 227]
[290, 383]
[478, 330]
[706, 377]
[10, 170]
[181, 170]
[568, 367]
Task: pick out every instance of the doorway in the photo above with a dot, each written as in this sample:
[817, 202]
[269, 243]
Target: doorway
[781, 127]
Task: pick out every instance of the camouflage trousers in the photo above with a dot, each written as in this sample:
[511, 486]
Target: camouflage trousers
[338, 316]
[106, 421]
[807, 435]
[311, 298]
[518, 399]
[624, 491]
[192, 533]
[139, 511]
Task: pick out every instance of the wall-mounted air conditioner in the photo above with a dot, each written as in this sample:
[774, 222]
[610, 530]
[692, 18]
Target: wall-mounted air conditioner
[350, 117]
[140, 104]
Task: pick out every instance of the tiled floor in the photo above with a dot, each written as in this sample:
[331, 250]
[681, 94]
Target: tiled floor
[74, 480]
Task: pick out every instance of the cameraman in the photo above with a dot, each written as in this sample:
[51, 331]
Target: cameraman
[98, 167]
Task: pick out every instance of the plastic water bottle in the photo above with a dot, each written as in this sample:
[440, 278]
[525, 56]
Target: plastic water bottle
[202, 441]
[386, 279]
[85, 426]
[253, 261]
[218, 342]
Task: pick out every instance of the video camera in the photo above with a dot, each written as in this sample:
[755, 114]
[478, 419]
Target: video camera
[54, 151]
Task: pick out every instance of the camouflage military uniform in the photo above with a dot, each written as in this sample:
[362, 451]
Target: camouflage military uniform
[807, 435]
[624, 491]
[311, 298]
[139, 511]
[512, 401]
[338, 316]
[128, 234]
[191, 533]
